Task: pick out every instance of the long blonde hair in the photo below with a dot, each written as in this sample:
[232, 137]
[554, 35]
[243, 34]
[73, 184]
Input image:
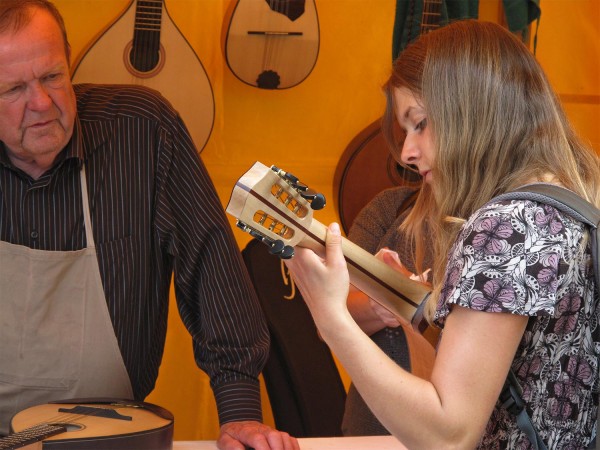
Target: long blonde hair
[496, 125]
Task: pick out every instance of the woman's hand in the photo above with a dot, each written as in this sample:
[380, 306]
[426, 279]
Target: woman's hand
[323, 282]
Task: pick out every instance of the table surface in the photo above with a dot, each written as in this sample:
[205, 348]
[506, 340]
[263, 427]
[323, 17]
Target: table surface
[341, 443]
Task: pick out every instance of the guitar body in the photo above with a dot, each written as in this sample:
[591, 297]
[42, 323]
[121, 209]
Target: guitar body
[178, 75]
[99, 425]
[367, 154]
[271, 44]
[366, 166]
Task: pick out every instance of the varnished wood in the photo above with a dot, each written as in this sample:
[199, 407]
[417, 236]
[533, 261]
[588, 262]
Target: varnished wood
[147, 424]
[254, 197]
[259, 39]
[179, 76]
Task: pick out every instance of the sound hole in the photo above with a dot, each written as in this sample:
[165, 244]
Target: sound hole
[69, 426]
[145, 72]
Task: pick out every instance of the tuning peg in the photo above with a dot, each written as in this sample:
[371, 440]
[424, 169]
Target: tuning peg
[278, 248]
[317, 201]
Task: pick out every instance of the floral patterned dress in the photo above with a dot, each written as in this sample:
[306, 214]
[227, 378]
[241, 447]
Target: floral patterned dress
[527, 258]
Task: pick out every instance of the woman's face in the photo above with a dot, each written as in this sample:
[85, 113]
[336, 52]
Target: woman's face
[417, 150]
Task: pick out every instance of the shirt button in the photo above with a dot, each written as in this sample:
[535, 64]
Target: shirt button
[34, 235]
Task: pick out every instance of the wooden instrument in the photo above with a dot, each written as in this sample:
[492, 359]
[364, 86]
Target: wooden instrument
[274, 207]
[272, 44]
[143, 46]
[91, 424]
[366, 167]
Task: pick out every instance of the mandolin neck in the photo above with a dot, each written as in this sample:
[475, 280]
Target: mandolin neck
[391, 289]
[432, 12]
[26, 438]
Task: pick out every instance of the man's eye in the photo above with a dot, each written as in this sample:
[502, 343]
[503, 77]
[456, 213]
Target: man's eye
[10, 92]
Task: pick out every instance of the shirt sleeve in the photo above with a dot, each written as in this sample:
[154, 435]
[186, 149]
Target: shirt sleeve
[215, 297]
[377, 218]
[508, 258]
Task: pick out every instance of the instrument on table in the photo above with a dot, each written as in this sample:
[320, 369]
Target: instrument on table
[91, 424]
[272, 44]
[144, 46]
[276, 208]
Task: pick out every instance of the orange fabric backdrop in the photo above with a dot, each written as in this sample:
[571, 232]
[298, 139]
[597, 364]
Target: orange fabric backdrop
[305, 129]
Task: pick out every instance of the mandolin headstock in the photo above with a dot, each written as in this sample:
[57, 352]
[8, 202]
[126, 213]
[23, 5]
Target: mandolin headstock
[274, 207]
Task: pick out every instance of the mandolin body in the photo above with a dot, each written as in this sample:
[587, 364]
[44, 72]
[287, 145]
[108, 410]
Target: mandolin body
[266, 48]
[103, 425]
[179, 74]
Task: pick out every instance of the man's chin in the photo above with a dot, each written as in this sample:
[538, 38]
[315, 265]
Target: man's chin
[45, 145]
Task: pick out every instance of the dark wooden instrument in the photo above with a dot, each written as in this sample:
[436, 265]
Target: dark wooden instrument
[366, 167]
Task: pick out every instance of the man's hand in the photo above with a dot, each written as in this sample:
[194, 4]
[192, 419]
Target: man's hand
[255, 435]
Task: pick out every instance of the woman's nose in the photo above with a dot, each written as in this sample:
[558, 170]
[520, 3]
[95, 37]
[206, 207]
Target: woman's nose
[410, 152]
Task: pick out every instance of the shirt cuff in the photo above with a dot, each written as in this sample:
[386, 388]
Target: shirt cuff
[237, 401]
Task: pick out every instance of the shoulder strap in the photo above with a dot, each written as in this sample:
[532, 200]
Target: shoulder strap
[580, 209]
[568, 202]
[562, 199]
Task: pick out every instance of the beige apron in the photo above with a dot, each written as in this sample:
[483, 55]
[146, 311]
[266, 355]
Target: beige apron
[56, 337]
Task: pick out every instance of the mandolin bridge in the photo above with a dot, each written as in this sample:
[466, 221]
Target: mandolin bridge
[96, 412]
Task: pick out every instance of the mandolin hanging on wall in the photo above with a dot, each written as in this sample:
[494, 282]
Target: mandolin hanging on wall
[144, 46]
[272, 44]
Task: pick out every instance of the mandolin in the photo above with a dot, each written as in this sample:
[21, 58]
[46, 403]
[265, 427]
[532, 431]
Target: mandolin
[144, 46]
[274, 207]
[91, 424]
[272, 44]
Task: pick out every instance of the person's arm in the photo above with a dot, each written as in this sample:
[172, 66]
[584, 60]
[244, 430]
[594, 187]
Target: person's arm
[372, 227]
[449, 411]
[369, 315]
[215, 297]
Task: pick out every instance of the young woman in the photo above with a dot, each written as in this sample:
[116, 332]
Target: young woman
[513, 280]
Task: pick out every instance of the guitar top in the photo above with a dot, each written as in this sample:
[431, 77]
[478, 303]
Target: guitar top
[92, 424]
[143, 46]
[272, 44]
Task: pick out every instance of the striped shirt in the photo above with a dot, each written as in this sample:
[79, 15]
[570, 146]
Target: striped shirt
[155, 214]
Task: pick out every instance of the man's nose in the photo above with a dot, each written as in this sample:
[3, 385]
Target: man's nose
[38, 97]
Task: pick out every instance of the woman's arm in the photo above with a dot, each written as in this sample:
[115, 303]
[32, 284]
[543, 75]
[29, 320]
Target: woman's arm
[474, 356]
[369, 315]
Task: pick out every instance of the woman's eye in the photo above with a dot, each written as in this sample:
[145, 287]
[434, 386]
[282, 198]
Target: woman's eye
[421, 125]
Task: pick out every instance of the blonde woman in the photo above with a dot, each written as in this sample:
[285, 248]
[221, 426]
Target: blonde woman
[513, 280]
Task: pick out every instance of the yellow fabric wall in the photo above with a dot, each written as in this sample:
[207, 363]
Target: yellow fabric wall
[305, 129]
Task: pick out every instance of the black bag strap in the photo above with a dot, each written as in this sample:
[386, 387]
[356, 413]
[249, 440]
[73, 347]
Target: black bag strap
[580, 209]
[513, 402]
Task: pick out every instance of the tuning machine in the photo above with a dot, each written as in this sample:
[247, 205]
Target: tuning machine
[317, 201]
[276, 246]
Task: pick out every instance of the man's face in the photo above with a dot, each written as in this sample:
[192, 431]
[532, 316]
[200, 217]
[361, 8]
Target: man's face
[37, 102]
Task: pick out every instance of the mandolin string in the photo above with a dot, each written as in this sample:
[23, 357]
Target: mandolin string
[156, 32]
[266, 60]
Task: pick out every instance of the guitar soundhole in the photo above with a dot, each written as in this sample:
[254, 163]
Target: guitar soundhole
[269, 79]
[143, 66]
[70, 427]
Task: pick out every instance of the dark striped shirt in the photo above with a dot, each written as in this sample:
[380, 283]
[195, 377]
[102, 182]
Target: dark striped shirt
[155, 213]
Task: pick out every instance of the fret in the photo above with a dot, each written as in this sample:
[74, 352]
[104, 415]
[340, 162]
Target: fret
[430, 18]
[30, 436]
[148, 16]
